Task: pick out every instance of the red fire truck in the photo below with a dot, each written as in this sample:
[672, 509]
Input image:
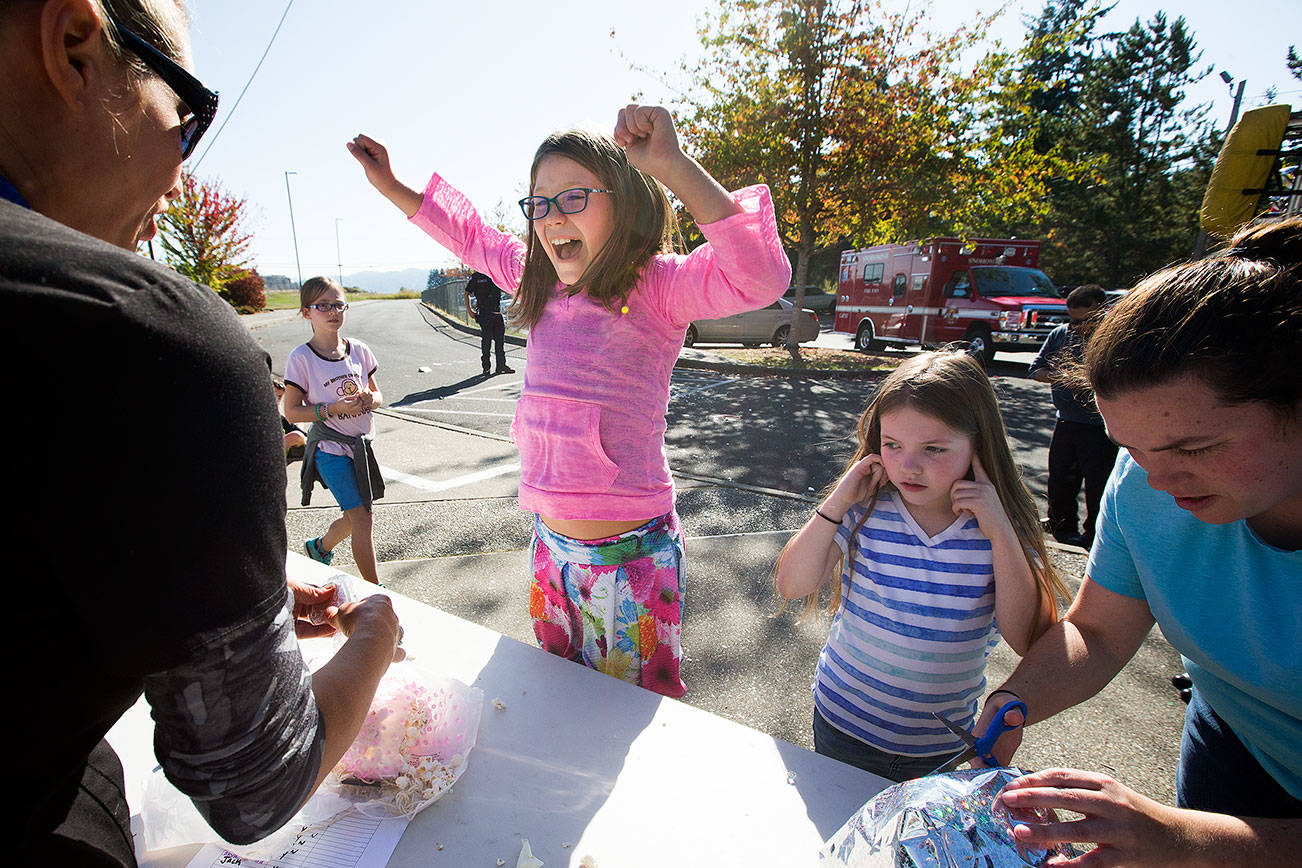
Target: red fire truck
[986, 291]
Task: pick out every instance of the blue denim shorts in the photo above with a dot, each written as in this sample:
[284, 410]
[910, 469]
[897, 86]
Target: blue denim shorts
[337, 472]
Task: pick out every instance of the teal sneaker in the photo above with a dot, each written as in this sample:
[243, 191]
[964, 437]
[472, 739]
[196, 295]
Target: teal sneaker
[313, 548]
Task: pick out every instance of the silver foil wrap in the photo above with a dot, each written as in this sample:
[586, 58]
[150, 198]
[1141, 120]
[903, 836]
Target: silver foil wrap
[941, 821]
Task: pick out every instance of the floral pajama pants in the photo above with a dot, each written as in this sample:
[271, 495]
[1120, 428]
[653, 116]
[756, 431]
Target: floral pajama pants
[614, 604]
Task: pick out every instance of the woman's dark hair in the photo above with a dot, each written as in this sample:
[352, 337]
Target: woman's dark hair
[644, 226]
[1233, 319]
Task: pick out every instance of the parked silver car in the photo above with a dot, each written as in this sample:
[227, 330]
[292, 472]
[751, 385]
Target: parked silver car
[769, 325]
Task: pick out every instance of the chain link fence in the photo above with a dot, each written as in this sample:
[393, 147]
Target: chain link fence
[449, 297]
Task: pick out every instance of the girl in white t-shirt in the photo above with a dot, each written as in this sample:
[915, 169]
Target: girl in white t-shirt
[330, 382]
[938, 539]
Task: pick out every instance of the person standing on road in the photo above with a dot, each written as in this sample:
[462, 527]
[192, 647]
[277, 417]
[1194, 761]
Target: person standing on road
[1080, 450]
[607, 304]
[1196, 374]
[330, 382]
[152, 503]
[937, 539]
[484, 301]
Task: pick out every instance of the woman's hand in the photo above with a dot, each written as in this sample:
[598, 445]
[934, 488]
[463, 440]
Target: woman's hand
[310, 605]
[646, 133]
[1128, 828]
[978, 497]
[373, 615]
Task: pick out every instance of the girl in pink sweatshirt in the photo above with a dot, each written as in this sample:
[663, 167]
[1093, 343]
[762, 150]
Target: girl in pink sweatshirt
[607, 303]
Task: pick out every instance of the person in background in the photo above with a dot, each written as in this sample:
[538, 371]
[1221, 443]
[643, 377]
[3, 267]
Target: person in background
[1080, 450]
[1196, 374]
[295, 439]
[484, 301]
[152, 510]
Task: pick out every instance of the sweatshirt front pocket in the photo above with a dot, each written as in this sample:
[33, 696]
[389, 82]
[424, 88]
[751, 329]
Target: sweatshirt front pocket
[560, 445]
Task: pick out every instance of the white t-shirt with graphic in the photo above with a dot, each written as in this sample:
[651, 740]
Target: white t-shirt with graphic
[326, 381]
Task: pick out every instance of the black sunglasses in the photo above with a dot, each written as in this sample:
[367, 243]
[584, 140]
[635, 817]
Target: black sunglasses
[199, 100]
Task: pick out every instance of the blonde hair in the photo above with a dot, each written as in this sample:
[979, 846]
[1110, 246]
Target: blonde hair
[644, 225]
[164, 24]
[950, 386]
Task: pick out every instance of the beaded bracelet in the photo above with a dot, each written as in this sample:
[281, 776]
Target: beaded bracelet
[317, 409]
[819, 513]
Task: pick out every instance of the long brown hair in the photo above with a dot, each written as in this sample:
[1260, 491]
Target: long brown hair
[950, 385]
[644, 226]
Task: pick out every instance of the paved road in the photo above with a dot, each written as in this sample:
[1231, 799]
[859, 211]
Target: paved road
[746, 452]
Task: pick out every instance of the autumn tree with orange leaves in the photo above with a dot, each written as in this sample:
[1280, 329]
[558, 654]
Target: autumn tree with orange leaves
[203, 235]
[863, 122]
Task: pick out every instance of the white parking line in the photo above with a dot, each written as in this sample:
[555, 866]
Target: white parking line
[416, 409]
[710, 386]
[423, 484]
[496, 387]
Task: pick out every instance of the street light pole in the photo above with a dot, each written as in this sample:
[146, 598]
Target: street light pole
[292, 230]
[339, 256]
[1200, 246]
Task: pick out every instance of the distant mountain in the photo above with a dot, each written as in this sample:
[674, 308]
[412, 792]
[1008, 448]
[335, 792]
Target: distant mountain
[388, 281]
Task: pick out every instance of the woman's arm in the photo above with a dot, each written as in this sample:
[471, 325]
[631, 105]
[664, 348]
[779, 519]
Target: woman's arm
[1017, 592]
[1132, 829]
[808, 560]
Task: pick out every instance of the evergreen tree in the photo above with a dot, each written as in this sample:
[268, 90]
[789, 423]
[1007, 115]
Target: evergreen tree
[1117, 110]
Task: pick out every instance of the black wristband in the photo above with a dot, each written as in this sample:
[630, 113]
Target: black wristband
[1009, 692]
[819, 513]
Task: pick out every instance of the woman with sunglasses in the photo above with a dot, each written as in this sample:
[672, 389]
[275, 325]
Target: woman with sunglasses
[607, 303]
[146, 492]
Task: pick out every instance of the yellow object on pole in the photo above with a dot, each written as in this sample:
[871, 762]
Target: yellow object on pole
[1240, 167]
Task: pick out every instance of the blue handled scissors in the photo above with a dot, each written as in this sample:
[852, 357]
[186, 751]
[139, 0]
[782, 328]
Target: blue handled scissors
[981, 747]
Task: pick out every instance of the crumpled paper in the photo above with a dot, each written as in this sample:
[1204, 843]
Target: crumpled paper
[940, 821]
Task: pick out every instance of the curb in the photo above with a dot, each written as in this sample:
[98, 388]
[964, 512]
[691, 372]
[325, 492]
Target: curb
[468, 329]
[698, 364]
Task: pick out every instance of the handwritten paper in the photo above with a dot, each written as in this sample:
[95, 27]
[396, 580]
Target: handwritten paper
[350, 840]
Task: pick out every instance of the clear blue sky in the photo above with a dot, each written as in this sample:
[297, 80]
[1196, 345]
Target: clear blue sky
[470, 90]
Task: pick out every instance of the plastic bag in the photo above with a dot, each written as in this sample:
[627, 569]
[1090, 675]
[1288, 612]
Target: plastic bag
[940, 821]
[446, 710]
[414, 744]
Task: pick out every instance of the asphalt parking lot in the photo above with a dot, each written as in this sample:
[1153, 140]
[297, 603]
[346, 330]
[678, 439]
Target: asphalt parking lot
[748, 453]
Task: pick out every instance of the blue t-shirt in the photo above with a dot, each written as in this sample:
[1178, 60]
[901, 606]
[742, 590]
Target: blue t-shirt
[1228, 602]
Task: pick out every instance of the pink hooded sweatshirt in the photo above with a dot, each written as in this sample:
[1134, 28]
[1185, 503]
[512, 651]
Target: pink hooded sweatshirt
[590, 423]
